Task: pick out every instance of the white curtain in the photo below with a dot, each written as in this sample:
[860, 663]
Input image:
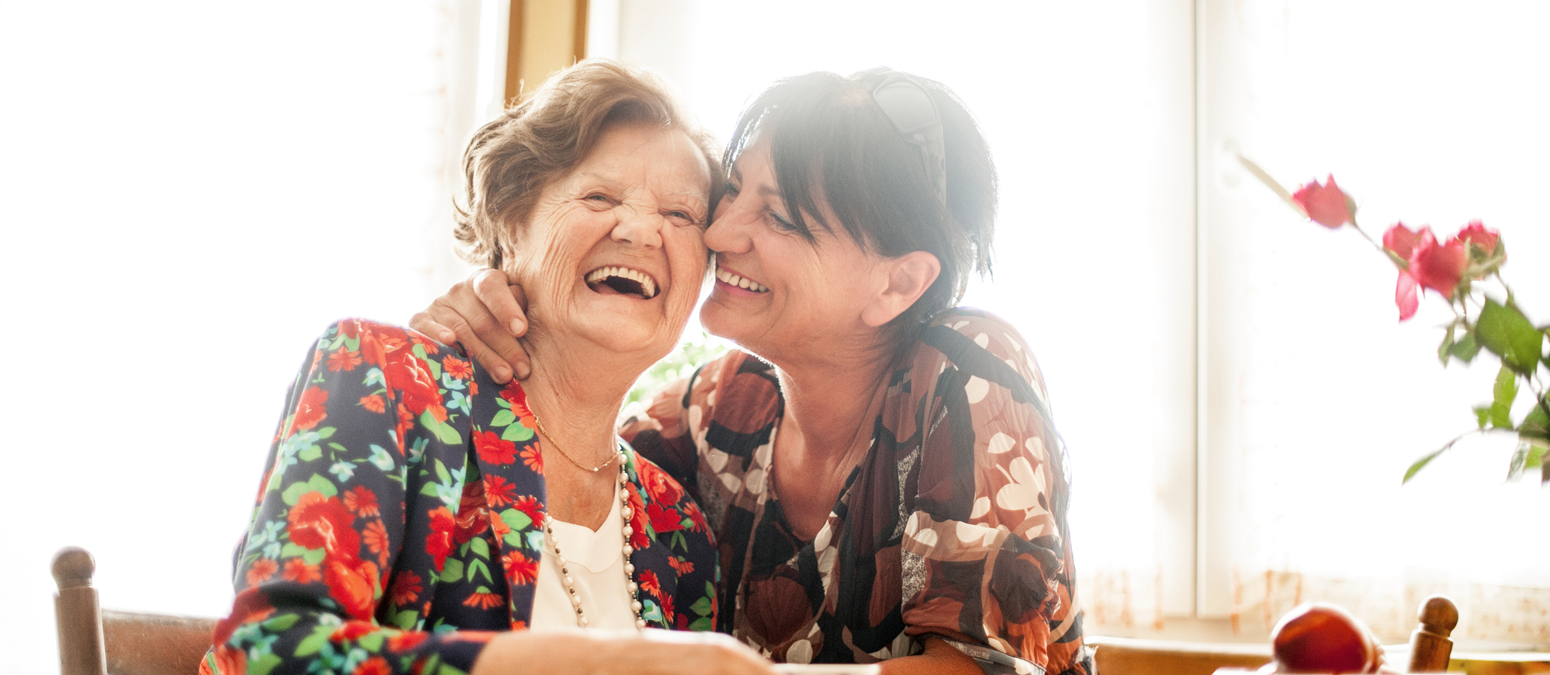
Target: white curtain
[1318, 399]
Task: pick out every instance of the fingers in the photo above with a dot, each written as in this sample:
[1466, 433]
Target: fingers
[506, 305]
[504, 300]
[425, 324]
[461, 311]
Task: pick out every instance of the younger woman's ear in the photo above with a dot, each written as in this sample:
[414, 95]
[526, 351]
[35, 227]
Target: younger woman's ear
[908, 277]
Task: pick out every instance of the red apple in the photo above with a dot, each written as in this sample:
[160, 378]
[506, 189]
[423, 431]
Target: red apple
[1321, 638]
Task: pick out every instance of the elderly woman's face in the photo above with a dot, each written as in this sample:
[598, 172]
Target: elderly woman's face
[615, 252]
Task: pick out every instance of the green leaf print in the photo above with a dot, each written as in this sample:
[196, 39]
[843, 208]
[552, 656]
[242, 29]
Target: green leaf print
[371, 642]
[480, 567]
[516, 520]
[263, 664]
[314, 642]
[452, 571]
[503, 418]
[701, 624]
[281, 622]
[701, 606]
[479, 547]
[406, 619]
[517, 433]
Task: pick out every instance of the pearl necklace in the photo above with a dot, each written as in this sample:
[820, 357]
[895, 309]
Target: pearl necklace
[625, 512]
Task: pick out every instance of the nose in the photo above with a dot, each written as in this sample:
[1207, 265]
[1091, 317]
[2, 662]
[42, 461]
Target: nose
[728, 231]
[637, 228]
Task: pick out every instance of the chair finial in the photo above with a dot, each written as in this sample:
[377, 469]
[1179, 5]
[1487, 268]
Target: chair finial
[73, 567]
[1438, 615]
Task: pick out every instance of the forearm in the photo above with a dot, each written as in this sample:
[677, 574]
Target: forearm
[939, 658]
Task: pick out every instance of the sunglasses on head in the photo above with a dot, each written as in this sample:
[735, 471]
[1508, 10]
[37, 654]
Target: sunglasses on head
[913, 112]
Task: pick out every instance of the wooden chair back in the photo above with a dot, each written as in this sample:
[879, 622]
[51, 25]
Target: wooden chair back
[96, 642]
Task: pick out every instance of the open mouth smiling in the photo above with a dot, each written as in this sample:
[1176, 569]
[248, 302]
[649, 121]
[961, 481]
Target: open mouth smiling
[741, 282]
[622, 281]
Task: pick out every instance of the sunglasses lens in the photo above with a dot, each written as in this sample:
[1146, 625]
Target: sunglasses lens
[906, 105]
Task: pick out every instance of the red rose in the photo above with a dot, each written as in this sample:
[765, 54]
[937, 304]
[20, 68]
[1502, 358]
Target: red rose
[1438, 266]
[1481, 236]
[353, 585]
[1325, 204]
[473, 516]
[663, 520]
[408, 374]
[439, 542]
[492, 449]
[1401, 240]
[324, 522]
[310, 409]
[1406, 295]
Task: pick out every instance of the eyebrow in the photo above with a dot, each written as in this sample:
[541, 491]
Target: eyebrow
[698, 192]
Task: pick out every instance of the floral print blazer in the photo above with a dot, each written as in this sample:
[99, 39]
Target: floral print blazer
[399, 520]
[953, 525]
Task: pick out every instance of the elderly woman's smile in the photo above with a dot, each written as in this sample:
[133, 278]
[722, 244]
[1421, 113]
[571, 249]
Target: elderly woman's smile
[614, 251]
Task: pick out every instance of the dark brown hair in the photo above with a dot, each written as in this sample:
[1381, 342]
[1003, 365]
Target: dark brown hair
[829, 138]
[510, 160]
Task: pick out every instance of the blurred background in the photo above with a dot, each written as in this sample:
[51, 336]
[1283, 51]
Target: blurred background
[191, 190]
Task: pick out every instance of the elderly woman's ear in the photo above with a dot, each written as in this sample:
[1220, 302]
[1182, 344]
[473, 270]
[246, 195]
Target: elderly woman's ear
[901, 281]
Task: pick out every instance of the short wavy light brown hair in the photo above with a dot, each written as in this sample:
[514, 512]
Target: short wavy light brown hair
[510, 160]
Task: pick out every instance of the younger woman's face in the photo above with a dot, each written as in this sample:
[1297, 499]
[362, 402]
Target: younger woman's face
[776, 293]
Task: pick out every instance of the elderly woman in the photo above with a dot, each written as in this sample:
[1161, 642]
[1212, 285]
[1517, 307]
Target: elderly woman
[416, 516]
[880, 468]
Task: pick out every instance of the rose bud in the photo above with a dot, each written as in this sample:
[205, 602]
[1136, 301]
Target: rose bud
[1321, 638]
[1325, 204]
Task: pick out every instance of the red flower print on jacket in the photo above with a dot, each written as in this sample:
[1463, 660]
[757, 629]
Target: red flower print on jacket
[406, 588]
[311, 409]
[528, 504]
[299, 571]
[323, 522]
[638, 538]
[473, 515]
[374, 403]
[520, 569]
[661, 487]
[517, 397]
[457, 368]
[492, 449]
[533, 457]
[351, 630]
[361, 501]
[375, 665]
[498, 491]
[262, 569]
[353, 584]
[343, 359]
[651, 584]
[439, 542]
[664, 520]
[407, 640]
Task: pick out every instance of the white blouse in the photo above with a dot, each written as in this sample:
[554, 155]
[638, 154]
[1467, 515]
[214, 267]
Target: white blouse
[596, 562]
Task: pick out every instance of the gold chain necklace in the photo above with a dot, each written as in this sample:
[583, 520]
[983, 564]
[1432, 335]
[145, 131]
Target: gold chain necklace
[566, 455]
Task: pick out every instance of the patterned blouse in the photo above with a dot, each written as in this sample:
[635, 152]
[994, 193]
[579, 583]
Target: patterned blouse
[954, 524]
[400, 520]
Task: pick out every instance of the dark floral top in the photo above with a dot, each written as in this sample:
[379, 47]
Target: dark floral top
[953, 525]
[399, 520]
